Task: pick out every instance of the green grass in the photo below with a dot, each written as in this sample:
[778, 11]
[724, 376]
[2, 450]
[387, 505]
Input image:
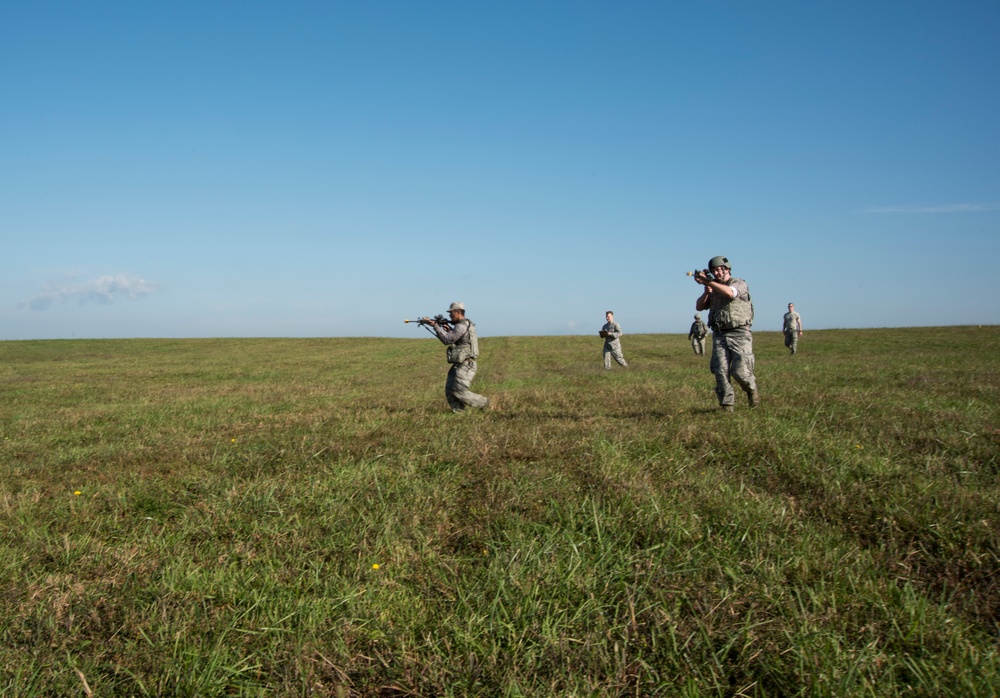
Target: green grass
[593, 534]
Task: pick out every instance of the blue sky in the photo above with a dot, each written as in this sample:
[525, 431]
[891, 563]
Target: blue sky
[201, 169]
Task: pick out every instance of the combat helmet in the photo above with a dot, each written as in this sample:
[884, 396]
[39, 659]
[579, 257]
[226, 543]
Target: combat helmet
[719, 261]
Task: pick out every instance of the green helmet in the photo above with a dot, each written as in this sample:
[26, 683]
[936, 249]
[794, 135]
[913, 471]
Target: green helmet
[719, 261]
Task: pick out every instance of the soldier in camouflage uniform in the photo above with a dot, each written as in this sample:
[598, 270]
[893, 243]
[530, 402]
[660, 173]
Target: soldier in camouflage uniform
[612, 344]
[730, 314]
[463, 350]
[793, 328]
[697, 335]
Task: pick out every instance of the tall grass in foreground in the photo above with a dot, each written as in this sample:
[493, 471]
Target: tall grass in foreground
[305, 517]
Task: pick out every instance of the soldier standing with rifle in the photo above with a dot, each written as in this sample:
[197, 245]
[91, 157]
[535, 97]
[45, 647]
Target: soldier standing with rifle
[463, 349]
[697, 335]
[730, 314]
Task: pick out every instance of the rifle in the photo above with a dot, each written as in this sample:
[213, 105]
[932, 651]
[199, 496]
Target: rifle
[707, 274]
[426, 323]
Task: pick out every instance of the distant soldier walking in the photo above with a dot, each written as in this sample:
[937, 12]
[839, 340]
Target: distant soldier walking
[697, 335]
[463, 350]
[793, 328]
[612, 344]
[730, 314]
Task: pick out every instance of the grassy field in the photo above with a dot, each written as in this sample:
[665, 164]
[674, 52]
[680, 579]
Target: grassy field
[306, 518]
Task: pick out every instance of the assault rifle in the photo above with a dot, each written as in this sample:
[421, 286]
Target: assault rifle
[426, 323]
[704, 272]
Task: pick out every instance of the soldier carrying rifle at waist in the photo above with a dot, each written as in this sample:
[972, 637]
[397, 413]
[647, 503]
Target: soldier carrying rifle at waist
[612, 332]
[697, 335]
[459, 334]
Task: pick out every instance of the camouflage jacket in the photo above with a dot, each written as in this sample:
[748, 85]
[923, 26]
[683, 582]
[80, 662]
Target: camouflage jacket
[614, 331]
[793, 323]
[462, 341]
[731, 313]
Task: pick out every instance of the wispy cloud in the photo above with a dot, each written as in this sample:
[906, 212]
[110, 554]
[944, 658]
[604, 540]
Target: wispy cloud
[940, 208]
[103, 289]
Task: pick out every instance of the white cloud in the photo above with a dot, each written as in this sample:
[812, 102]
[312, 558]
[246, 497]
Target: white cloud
[103, 289]
[941, 208]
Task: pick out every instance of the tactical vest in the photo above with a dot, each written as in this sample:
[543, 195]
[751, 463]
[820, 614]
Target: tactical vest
[467, 347]
[699, 330]
[730, 314]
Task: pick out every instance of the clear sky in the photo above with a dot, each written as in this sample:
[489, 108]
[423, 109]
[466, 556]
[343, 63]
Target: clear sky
[217, 169]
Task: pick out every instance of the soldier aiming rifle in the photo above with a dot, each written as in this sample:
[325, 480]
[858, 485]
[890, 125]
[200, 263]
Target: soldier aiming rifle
[458, 333]
[730, 314]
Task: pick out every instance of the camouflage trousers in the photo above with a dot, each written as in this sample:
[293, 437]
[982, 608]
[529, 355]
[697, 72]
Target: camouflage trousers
[792, 340]
[698, 344]
[613, 350]
[732, 356]
[456, 388]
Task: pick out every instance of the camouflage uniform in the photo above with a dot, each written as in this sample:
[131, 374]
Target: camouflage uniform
[463, 349]
[697, 335]
[732, 343]
[793, 325]
[613, 345]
